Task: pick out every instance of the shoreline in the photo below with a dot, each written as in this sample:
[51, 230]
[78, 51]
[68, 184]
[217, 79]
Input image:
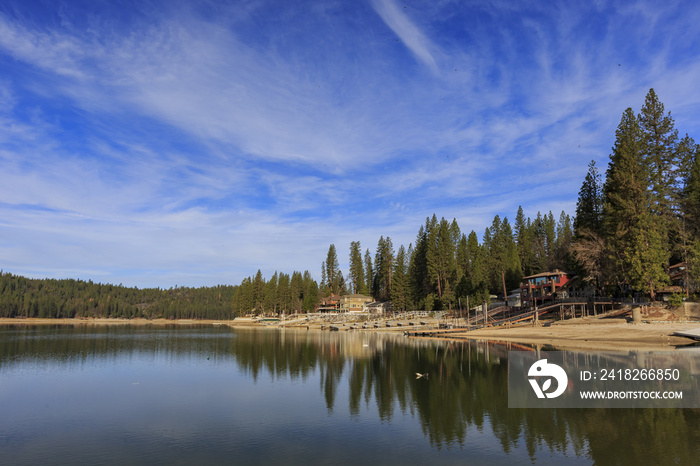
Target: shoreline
[592, 335]
[108, 321]
[576, 334]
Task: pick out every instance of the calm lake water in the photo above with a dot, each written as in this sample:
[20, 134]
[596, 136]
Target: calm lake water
[216, 395]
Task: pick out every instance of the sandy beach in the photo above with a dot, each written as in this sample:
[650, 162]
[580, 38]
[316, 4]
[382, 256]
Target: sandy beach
[591, 334]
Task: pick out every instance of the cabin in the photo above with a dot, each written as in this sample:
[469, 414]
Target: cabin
[377, 307]
[681, 283]
[679, 275]
[330, 304]
[543, 287]
[354, 303]
[514, 299]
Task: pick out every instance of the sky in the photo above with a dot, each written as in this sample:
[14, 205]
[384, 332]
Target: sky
[191, 143]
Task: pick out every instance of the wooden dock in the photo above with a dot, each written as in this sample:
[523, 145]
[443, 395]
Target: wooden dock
[466, 328]
[563, 309]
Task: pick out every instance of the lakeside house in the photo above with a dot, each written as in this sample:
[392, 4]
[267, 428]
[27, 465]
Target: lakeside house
[329, 304]
[514, 298]
[543, 287]
[680, 283]
[354, 303]
[378, 307]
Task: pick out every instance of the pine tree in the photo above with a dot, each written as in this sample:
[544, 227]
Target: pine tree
[478, 289]
[462, 258]
[524, 240]
[590, 203]
[357, 271]
[682, 234]
[333, 274]
[297, 290]
[489, 248]
[691, 196]
[691, 211]
[659, 140]
[476, 261]
[369, 273]
[383, 263]
[399, 288]
[259, 291]
[311, 294]
[565, 235]
[324, 280]
[637, 240]
[659, 147]
[284, 293]
[418, 267]
[271, 303]
[503, 258]
[647, 256]
[440, 259]
[539, 233]
[550, 237]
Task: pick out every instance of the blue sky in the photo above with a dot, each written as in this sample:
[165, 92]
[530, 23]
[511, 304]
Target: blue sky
[192, 143]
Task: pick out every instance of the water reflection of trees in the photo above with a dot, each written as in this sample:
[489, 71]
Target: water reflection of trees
[466, 389]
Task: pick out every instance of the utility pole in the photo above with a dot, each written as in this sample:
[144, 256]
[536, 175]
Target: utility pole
[536, 320]
[505, 293]
[467, 310]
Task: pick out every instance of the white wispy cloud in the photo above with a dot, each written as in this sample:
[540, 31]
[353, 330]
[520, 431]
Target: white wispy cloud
[181, 147]
[409, 34]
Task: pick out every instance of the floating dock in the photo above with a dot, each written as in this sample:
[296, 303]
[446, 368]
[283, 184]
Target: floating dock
[693, 334]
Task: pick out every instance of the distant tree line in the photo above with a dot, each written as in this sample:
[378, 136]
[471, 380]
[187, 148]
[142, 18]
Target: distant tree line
[645, 216]
[69, 298]
[281, 293]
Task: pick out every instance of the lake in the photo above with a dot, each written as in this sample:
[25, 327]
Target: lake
[217, 395]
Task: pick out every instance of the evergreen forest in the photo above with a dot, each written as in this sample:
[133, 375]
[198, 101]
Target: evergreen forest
[629, 227]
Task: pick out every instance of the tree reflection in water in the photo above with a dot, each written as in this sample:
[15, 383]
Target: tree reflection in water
[466, 388]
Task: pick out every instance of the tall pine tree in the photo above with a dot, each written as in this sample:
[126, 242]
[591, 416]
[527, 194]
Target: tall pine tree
[357, 271]
[369, 273]
[590, 203]
[334, 277]
[691, 211]
[383, 264]
[637, 241]
[399, 286]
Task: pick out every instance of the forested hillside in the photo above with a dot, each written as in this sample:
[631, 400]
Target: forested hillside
[49, 298]
[69, 298]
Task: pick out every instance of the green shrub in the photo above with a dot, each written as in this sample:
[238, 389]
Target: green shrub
[675, 300]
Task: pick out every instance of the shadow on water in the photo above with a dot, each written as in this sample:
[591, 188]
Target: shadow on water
[465, 390]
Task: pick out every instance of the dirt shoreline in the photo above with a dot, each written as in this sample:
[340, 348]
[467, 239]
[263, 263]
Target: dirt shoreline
[575, 334]
[584, 334]
[105, 321]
